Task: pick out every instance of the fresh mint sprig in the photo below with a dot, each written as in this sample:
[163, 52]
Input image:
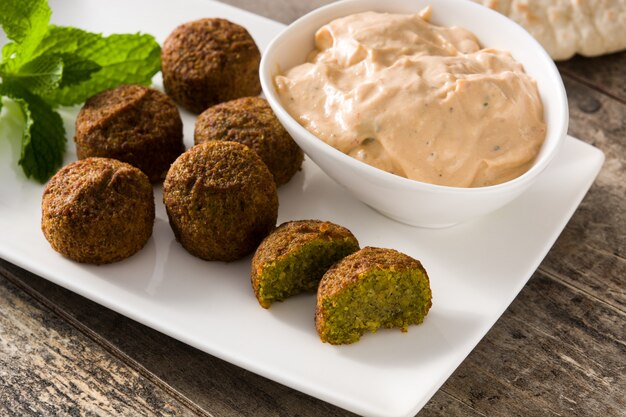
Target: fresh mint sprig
[45, 66]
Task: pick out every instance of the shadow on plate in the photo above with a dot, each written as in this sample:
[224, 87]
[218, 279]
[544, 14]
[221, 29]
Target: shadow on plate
[440, 334]
[132, 273]
[298, 312]
[184, 279]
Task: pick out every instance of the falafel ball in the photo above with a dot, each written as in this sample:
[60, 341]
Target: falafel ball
[98, 210]
[209, 61]
[134, 124]
[221, 200]
[369, 289]
[295, 256]
[251, 121]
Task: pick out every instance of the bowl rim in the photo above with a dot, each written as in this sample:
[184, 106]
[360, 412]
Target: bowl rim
[559, 99]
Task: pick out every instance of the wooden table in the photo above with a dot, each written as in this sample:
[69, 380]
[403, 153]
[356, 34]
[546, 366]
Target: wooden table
[560, 348]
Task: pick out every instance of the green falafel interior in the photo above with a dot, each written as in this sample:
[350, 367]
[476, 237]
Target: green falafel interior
[381, 298]
[301, 270]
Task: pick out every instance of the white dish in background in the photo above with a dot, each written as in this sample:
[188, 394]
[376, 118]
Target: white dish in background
[402, 199]
[476, 268]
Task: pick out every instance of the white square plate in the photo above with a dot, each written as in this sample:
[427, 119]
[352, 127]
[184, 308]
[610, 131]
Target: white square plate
[476, 268]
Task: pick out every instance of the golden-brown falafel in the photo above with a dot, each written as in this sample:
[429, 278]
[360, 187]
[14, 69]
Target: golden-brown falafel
[98, 210]
[134, 124]
[209, 61]
[369, 289]
[251, 121]
[221, 200]
[295, 256]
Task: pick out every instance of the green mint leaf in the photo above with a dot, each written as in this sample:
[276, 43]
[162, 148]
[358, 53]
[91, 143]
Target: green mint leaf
[65, 39]
[40, 75]
[20, 18]
[124, 59]
[8, 52]
[25, 22]
[43, 138]
[45, 65]
[57, 40]
[49, 71]
[77, 69]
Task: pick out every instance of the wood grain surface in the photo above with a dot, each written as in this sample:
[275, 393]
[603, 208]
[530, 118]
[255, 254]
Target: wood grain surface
[559, 350]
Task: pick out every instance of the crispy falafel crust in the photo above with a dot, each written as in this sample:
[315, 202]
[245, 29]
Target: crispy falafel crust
[134, 124]
[221, 200]
[251, 121]
[399, 284]
[98, 210]
[291, 239]
[209, 61]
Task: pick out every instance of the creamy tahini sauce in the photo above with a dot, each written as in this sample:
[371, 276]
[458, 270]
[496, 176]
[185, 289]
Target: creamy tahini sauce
[417, 100]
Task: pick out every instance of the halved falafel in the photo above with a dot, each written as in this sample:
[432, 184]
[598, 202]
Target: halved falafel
[98, 210]
[251, 121]
[295, 256]
[369, 289]
[209, 61]
[221, 200]
[134, 124]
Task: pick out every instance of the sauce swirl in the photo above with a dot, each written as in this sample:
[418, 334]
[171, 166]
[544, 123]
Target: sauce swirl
[417, 100]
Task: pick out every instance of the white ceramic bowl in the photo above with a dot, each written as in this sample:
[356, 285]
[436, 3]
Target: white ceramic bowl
[408, 201]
